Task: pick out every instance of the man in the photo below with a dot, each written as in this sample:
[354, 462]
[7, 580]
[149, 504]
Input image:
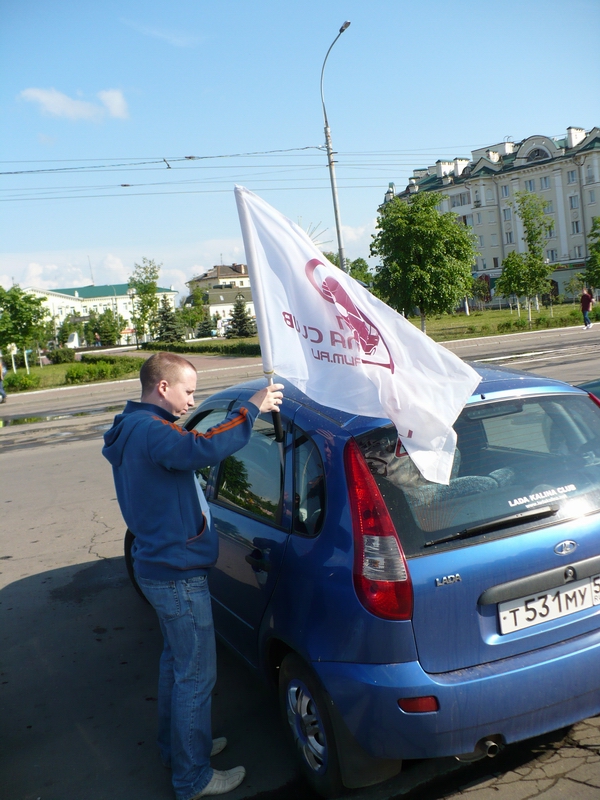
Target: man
[587, 302]
[3, 372]
[154, 462]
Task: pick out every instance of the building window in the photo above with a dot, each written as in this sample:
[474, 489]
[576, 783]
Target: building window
[483, 263]
[478, 218]
[496, 262]
[550, 232]
[462, 199]
[578, 251]
[480, 241]
[507, 214]
[530, 185]
[494, 239]
[571, 176]
[508, 237]
[592, 196]
[575, 226]
[549, 208]
[489, 194]
[492, 217]
[552, 255]
[589, 178]
[574, 201]
[545, 182]
[505, 191]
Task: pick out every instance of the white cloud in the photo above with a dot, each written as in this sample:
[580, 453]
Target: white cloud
[57, 104]
[114, 102]
[172, 37]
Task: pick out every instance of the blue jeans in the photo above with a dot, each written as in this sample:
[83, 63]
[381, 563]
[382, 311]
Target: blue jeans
[187, 675]
[586, 318]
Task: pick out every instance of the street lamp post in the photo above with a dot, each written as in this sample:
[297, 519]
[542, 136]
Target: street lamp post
[330, 160]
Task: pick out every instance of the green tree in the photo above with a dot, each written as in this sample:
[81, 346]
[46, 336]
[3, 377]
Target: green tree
[592, 271]
[144, 281]
[193, 311]
[530, 208]
[512, 279]
[575, 285]
[480, 290]
[241, 325]
[426, 256]
[357, 269]
[22, 318]
[107, 325]
[170, 327]
[69, 325]
[205, 328]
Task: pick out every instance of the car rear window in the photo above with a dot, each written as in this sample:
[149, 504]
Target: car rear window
[513, 457]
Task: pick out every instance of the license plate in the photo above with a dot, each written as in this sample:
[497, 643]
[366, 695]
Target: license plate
[525, 612]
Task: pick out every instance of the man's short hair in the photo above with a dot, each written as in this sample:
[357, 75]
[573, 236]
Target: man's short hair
[163, 366]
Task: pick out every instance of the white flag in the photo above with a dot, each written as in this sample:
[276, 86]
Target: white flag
[340, 345]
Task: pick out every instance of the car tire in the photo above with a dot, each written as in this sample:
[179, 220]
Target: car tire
[127, 545]
[304, 708]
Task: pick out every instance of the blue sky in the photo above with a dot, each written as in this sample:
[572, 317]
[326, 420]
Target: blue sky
[94, 95]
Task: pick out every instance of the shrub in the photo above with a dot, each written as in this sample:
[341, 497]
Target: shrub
[485, 329]
[505, 327]
[128, 363]
[241, 347]
[520, 324]
[20, 381]
[100, 370]
[62, 355]
[542, 321]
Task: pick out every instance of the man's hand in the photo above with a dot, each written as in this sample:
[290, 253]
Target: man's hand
[269, 398]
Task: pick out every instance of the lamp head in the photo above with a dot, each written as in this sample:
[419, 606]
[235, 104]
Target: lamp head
[344, 26]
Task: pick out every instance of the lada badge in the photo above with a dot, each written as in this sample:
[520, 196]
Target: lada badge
[564, 548]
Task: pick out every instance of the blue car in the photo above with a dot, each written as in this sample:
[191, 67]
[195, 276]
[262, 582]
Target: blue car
[402, 619]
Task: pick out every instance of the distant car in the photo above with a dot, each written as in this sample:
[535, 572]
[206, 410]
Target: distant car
[403, 619]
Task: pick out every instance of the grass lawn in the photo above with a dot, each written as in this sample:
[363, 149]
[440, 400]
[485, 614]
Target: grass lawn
[485, 323]
[54, 375]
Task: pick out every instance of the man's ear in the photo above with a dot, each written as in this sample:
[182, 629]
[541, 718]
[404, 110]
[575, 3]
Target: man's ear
[162, 386]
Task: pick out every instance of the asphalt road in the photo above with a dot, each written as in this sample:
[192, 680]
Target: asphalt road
[79, 649]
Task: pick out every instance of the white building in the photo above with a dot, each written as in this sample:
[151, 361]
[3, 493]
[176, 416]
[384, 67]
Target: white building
[222, 286]
[80, 301]
[564, 171]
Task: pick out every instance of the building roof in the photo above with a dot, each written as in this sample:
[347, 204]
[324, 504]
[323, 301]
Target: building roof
[108, 290]
[221, 271]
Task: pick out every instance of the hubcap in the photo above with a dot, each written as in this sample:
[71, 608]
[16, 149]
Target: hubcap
[306, 726]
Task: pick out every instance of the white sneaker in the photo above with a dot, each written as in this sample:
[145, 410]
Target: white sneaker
[222, 781]
[218, 745]
[590, 325]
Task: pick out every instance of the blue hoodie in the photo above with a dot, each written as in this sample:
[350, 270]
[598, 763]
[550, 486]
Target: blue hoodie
[154, 462]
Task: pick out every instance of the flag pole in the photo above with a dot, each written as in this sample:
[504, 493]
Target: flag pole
[259, 300]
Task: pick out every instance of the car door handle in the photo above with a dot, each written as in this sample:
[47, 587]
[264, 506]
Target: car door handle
[257, 561]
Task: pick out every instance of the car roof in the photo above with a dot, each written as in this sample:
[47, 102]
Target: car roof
[494, 380]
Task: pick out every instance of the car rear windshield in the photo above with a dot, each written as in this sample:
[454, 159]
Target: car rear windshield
[518, 462]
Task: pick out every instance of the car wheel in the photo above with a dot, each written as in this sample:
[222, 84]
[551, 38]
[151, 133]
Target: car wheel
[127, 545]
[304, 707]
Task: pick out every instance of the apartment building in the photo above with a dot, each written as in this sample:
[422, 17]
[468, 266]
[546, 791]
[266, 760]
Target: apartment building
[564, 171]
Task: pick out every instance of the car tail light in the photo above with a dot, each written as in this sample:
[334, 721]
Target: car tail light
[419, 705]
[381, 578]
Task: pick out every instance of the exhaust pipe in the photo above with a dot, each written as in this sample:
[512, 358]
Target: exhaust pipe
[485, 748]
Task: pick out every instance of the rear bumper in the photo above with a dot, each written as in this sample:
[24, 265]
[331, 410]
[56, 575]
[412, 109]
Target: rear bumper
[517, 698]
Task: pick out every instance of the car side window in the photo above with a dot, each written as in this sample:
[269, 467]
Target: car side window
[211, 419]
[252, 478]
[309, 486]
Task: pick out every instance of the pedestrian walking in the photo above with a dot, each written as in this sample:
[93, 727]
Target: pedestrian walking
[3, 372]
[587, 301]
[154, 462]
